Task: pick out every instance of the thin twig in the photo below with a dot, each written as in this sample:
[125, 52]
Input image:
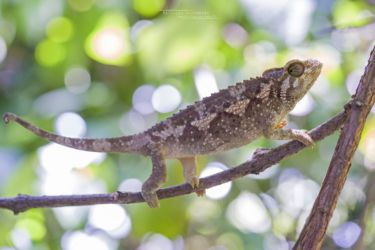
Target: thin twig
[312, 234]
[261, 161]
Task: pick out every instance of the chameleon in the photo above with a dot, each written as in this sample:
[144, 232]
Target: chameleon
[227, 119]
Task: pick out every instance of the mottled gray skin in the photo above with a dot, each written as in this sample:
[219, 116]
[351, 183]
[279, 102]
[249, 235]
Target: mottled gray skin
[228, 119]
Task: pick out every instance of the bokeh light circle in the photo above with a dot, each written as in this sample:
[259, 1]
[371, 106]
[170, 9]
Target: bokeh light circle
[166, 98]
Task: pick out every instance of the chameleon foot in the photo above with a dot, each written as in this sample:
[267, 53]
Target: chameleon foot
[156, 179]
[303, 137]
[288, 134]
[190, 173]
[194, 183]
[151, 199]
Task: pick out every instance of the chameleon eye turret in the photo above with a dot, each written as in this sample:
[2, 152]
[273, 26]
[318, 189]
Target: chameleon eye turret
[296, 69]
[228, 119]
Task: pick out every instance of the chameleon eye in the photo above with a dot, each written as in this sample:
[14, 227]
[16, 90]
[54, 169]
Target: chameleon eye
[296, 69]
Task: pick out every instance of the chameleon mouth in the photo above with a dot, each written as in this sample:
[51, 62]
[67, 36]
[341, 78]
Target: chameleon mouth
[315, 65]
[313, 69]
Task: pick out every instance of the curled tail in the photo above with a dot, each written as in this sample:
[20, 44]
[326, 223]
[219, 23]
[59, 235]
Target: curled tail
[117, 144]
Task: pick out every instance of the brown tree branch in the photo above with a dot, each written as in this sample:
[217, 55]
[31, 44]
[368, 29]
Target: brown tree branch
[262, 160]
[312, 234]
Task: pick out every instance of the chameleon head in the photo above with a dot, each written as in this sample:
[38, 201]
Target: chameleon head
[295, 78]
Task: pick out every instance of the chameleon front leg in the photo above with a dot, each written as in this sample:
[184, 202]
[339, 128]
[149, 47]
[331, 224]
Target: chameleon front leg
[189, 165]
[156, 179]
[289, 134]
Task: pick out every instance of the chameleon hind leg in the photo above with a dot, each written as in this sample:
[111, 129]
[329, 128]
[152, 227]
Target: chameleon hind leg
[156, 179]
[189, 165]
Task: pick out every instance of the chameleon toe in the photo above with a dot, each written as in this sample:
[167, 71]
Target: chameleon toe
[194, 183]
[151, 199]
[200, 193]
[305, 138]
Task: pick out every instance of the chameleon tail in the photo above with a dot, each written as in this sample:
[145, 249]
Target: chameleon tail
[118, 144]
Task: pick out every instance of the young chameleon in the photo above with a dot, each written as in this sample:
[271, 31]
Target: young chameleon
[227, 119]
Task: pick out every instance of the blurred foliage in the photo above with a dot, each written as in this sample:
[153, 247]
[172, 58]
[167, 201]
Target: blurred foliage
[89, 57]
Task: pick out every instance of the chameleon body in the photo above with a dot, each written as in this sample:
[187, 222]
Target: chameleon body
[230, 118]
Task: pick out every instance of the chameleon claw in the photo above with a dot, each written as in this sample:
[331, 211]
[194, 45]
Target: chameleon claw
[151, 199]
[311, 142]
[200, 193]
[115, 195]
[304, 137]
[194, 183]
